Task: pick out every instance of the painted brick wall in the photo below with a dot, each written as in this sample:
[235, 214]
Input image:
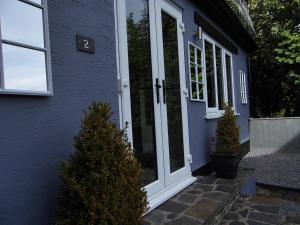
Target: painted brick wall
[202, 130]
[36, 133]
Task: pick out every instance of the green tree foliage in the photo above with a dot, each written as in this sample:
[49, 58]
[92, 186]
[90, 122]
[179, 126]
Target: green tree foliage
[102, 181]
[275, 65]
[227, 133]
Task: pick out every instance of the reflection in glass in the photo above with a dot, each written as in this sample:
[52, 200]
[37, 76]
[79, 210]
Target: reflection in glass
[200, 74]
[193, 72]
[192, 53]
[173, 95]
[229, 79]
[201, 94]
[141, 92]
[24, 69]
[21, 22]
[209, 59]
[194, 90]
[219, 66]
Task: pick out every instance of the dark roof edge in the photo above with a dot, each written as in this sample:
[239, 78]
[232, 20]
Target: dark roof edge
[222, 15]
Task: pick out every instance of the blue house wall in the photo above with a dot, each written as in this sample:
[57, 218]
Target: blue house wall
[37, 132]
[202, 130]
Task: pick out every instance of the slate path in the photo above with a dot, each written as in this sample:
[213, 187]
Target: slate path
[269, 207]
[201, 203]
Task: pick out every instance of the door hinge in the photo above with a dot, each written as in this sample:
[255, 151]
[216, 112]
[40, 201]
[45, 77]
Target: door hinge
[122, 84]
[185, 92]
[189, 158]
[182, 27]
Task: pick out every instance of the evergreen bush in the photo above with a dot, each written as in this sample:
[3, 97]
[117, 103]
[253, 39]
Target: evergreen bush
[102, 181]
[227, 134]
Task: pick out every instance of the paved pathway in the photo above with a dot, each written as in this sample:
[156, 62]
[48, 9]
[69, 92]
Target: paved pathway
[202, 202]
[267, 208]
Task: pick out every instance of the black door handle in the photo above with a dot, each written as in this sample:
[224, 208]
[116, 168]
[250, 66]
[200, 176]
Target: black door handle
[164, 91]
[158, 86]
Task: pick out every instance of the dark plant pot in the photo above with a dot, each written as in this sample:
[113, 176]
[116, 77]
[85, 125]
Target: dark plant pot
[226, 165]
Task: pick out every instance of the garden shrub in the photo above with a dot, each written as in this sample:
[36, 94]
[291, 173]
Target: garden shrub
[102, 180]
[228, 133]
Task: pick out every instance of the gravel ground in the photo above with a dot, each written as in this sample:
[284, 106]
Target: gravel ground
[278, 168]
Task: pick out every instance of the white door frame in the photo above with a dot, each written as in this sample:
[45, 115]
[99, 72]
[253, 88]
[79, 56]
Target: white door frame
[164, 188]
[172, 10]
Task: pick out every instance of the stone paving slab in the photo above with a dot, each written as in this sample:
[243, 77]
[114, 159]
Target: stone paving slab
[268, 208]
[201, 203]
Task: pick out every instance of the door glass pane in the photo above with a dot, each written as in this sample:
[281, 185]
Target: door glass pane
[141, 92]
[24, 69]
[229, 79]
[219, 66]
[173, 93]
[21, 22]
[210, 76]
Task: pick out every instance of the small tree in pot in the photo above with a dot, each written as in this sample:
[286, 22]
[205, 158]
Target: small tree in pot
[102, 180]
[227, 156]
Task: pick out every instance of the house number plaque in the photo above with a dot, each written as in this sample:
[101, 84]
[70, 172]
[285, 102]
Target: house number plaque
[85, 44]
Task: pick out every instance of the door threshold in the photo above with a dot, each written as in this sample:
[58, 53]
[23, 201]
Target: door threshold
[169, 192]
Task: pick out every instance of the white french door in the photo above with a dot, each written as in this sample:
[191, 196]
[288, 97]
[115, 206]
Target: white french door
[153, 92]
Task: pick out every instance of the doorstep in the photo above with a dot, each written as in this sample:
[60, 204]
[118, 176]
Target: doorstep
[203, 202]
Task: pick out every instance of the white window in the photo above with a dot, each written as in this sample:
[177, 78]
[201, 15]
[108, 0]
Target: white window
[24, 48]
[243, 85]
[196, 73]
[219, 78]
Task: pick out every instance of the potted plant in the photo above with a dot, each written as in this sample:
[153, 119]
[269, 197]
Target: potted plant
[102, 182]
[227, 155]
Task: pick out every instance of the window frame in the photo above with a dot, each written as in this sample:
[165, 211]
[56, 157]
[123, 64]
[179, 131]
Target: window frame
[198, 99]
[226, 52]
[243, 88]
[46, 49]
[215, 112]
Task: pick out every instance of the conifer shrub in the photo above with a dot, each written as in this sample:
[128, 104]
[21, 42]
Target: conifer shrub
[228, 133]
[102, 180]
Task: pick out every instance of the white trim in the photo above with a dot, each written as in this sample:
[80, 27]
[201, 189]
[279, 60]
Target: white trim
[45, 49]
[242, 141]
[196, 72]
[243, 88]
[215, 112]
[121, 123]
[168, 193]
[165, 179]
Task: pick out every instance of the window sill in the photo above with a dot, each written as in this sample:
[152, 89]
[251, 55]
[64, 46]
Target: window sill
[213, 116]
[29, 93]
[195, 100]
[217, 116]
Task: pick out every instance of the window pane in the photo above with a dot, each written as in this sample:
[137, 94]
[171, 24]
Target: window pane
[193, 72]
[24, 69]
[209, 59]
[141, 87]
[200, 77]
[201, 93]
[199, 61]
[229, 79]
[21, 22]
[173, 95]
[194, 90]
[192, 53]
[220, 82]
